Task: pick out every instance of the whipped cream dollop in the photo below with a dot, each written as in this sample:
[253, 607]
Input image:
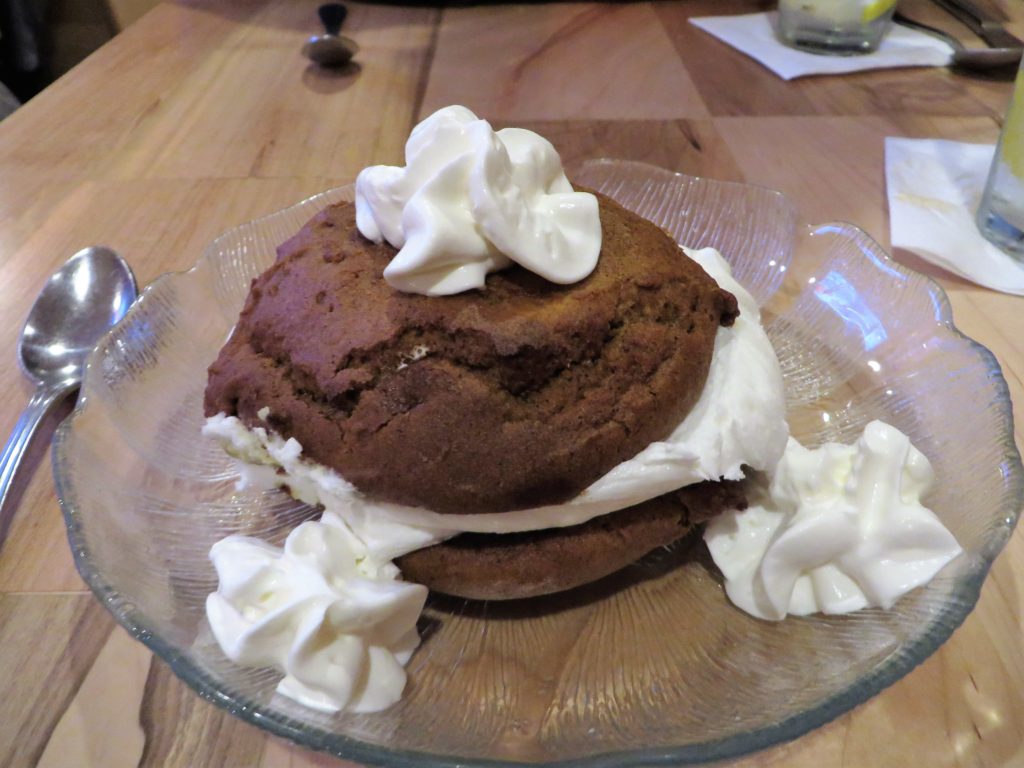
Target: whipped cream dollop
[840, 528]
[739, 420]
[336, 620]
[471, 201]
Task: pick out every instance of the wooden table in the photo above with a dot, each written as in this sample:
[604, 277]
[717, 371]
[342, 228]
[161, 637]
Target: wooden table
[204, 115]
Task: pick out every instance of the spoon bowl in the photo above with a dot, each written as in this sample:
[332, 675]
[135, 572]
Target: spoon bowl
[331, 49]
[80, 302]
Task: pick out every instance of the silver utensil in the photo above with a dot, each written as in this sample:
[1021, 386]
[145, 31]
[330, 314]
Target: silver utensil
[980, 23]
[978, 59]
[79, 303]
[331, 49]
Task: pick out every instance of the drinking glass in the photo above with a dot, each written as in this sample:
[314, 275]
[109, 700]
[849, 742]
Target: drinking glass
[837, 27]
[1001, 213]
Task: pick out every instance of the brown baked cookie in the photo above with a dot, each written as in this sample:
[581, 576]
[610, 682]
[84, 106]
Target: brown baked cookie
[509, 566]
[517, 395]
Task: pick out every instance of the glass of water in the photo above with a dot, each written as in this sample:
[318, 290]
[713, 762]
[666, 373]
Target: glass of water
[1001, 213]
[837, 27]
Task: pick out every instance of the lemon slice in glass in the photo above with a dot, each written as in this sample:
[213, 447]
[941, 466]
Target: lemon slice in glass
[1013, 130]
[876, 8]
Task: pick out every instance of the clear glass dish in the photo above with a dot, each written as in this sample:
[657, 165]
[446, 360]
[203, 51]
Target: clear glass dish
[650, 666]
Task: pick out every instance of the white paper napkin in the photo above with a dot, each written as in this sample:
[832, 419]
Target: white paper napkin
[754, 35]
[934, 188]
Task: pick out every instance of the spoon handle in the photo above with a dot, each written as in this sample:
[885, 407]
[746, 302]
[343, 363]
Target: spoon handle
[17, 444]
[332, 16]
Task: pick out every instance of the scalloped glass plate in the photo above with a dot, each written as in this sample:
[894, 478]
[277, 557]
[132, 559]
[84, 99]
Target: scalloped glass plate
[652, 665]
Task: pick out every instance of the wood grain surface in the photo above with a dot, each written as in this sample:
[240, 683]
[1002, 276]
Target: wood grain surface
[203, 115]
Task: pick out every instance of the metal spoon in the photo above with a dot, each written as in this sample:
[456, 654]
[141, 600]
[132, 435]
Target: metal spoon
[331, 49]
[967, 58]
[79, 303]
